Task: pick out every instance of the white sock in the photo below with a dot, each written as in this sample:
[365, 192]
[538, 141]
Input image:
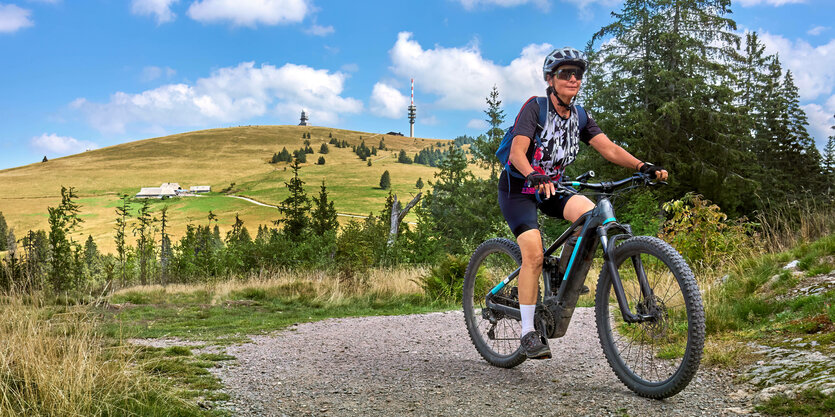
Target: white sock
[527, 317]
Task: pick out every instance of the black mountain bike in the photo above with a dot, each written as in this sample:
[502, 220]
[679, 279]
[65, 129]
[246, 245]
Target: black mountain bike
[649, 314]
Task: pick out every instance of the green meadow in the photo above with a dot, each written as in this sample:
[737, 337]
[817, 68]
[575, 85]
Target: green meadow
[215, 157]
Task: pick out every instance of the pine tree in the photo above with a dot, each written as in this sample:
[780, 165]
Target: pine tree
[324, 214]
[324, 148]
[295, 207]
[382, 145]
[385, 180]
[485, 149]
[419, 184]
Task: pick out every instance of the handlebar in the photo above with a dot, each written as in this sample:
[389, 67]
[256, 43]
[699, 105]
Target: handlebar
[607, 187]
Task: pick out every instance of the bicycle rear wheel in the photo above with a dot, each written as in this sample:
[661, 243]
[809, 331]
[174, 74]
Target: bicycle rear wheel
[659, 357]
[495, 336]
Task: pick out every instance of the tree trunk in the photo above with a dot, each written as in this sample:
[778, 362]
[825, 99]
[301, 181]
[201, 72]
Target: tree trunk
[397, 216]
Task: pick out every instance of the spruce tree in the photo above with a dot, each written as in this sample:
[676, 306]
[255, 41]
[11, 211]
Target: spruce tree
[91, 256]
[4, 230]
[62, 222]
[165, 252]
[484, 150]
[122, 216]
[321, 160]
[324, 213]
[385, 180]
[295, 207]
[802, 159]
[419, 184]
[143, 230]
[664, 91]
[324, 148]
[828, 163]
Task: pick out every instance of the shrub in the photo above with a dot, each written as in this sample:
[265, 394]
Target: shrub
[445, 281]
[702, 233]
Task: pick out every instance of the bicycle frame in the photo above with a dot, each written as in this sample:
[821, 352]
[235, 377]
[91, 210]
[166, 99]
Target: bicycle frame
[595, 227]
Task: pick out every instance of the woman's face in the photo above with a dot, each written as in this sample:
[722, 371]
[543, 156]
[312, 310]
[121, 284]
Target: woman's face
[566, 87]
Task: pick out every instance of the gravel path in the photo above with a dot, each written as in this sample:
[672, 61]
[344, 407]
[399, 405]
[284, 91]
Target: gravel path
[426, 365]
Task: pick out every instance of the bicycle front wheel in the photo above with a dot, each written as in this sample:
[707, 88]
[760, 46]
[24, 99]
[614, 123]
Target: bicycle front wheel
[658, 357]
[495, 336]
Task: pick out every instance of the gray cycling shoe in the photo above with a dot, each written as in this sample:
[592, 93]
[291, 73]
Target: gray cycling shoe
[535, 346]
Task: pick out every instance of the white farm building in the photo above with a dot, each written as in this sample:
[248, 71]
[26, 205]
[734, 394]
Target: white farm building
[171, 189]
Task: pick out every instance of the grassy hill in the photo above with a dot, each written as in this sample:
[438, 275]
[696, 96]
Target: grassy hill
[216, 157]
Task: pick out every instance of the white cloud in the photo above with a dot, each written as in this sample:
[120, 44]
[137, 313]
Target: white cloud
[821, 120]
[250, 12]
[461, 78]
[749, 3]
[152, 73]
[60, 145]
[161, 9]
[477, 124]
[817, 30]
[814, 74]
[320, 30]
[387, 101]
[13, 18]
[230, 94]
[812, 66]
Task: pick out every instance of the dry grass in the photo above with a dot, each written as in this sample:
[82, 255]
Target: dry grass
[322, 286]
[57, 364]
[781, 232]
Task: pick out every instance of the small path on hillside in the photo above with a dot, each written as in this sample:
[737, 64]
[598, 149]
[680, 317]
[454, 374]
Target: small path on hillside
[270, 205]
[426, 365]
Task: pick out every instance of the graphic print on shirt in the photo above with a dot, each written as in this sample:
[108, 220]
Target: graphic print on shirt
[560, 144]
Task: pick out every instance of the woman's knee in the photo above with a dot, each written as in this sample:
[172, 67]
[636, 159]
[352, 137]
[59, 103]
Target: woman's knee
[532, 260]
[576, 206]
[530, 243]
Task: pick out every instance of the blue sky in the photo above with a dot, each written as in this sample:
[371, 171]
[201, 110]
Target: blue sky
[78, 75]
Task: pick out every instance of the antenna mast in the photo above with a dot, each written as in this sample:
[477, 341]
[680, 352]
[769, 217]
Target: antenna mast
[412, 112]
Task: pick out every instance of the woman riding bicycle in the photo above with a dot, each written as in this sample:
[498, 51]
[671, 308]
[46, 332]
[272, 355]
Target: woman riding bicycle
[537, 167]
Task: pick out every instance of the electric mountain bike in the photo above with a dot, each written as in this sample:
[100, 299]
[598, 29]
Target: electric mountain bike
[648, 310]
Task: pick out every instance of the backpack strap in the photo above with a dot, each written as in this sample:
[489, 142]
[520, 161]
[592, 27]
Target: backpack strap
[543, 118]
[582, 116]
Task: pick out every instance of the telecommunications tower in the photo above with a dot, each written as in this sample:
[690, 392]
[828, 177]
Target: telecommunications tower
[412, 110]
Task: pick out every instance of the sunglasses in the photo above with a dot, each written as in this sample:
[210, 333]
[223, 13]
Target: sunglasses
[566, 73]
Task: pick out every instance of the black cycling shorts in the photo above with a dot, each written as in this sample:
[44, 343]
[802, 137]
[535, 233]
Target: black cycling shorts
[519, 210]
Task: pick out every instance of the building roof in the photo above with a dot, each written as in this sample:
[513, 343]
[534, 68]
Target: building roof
[155, 192]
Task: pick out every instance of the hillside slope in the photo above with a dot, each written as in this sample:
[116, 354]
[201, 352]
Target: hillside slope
[216, 157]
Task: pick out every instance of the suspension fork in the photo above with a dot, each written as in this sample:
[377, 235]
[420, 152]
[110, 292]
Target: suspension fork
[608, 246]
